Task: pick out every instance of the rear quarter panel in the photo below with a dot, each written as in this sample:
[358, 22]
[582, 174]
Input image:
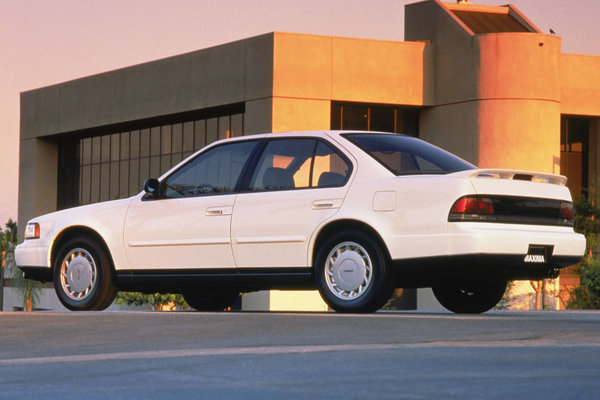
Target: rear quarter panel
[416, 225]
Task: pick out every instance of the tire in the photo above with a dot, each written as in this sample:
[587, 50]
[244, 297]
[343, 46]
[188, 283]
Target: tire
[352, 273]
[470, 297]
[83, 275]
[215, 301]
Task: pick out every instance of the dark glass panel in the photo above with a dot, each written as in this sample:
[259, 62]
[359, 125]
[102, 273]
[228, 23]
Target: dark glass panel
[177, 142]
[212, 133]
[224, 128]
[104, 181]
[410, 122]
[199, 134]
[382, 119]
[336, 116]
[188, 137]
[124, 146]
[355, 117]
[165, 139]
[105, 151]
[237, 125]
[145, 143]
[144, 170]
[115, 144]
[114, 180]
[165, 163]
[134, 177]
[124, 179]
[135, 144]
[95, 184]
[155, 141]
[96, 149]
[176, 159]
[86, 184]
[86, 151]
[155, 166]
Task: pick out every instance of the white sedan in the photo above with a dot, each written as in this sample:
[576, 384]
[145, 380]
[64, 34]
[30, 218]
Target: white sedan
[352, 214]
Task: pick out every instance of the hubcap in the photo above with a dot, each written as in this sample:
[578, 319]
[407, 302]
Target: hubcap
[78, 274]
[348, 270]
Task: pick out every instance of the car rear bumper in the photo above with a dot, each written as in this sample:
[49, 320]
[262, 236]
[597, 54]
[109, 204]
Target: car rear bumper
[486, 251]
[513, 239]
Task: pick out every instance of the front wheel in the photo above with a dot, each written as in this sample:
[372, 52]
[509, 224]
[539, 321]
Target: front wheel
[83, 276]
[470, 297]
[352, 273]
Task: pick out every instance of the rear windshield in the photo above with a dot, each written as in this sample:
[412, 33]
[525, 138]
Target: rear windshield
[406, 155]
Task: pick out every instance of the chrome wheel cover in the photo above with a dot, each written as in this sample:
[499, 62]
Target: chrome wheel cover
[78, 274]
[348, 270]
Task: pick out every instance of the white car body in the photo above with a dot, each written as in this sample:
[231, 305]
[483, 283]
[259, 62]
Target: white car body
[270, 239]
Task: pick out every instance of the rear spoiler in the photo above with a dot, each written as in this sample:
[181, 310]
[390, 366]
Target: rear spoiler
[540, 177]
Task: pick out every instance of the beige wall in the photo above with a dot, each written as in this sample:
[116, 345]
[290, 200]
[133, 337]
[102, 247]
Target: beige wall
[332, 68]
[580, 84]
[518, 101]
[310, 71]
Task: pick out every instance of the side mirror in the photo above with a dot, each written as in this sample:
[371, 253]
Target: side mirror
[152, 188]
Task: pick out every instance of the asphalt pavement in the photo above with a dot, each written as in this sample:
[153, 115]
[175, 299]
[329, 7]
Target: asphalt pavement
[387, 355]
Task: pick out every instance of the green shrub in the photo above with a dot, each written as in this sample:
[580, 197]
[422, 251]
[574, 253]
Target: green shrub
[587, 296]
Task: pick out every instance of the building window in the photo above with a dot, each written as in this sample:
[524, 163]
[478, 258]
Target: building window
[574, 144]
[375, 117]
[115, 163]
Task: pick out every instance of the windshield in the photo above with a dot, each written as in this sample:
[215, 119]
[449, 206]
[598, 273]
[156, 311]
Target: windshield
[406, 155]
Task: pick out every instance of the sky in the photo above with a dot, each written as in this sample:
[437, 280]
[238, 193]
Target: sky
[44, 42]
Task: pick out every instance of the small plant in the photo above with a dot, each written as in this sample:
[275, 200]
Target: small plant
[587, 296]
[28, 289]
[156, 301]
[505, 302]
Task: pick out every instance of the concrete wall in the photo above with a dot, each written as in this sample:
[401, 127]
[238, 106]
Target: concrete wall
[310, 71]
[231, 73]
[497, 96]
[580, 84]
[518, 100]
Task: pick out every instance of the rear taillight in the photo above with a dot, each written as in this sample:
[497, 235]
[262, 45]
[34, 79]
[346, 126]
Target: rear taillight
[472, 208]
[512, 210]
[567, 215]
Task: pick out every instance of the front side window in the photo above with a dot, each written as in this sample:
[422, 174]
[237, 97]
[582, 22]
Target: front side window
[287, 164]
[405, 155]
[216, 171]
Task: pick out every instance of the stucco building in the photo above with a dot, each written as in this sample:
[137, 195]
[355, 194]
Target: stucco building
[480, 81]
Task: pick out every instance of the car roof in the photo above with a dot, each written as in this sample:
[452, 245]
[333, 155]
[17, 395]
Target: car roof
[312, 133]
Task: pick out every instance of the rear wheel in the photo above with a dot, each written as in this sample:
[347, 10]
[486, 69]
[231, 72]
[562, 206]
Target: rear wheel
[470, 297]
[83, 275]
[352, 273]
[211, 301]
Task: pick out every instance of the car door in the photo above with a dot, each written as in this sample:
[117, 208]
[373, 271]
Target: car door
[187, 224]
[297, 184]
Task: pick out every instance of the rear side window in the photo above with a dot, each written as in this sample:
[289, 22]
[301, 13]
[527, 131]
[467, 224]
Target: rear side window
[406, 155]
[299, 163]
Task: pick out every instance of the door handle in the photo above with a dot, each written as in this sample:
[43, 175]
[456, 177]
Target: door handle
[324, 204]
[216, 211]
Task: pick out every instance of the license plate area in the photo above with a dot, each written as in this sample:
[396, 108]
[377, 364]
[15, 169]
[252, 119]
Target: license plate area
[538, 254]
